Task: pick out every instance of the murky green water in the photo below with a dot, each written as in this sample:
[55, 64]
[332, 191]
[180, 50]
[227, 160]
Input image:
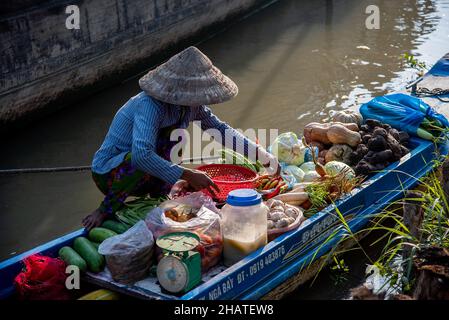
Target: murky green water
[293, 62]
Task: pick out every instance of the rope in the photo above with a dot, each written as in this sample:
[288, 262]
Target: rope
[82, 168]
[42, 170]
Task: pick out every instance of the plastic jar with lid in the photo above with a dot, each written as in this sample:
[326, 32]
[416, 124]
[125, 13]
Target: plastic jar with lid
[244, 224]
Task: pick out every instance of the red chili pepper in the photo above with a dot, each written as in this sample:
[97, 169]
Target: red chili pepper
[274, 193]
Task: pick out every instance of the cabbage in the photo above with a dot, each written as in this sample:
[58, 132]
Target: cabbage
[311, 176]
[289, 149]
[307, 166]
[295, 172]
[333, 168]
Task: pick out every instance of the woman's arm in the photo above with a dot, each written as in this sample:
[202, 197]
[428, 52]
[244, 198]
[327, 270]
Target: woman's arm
[145, 158]
[145, 135]
[235, 140]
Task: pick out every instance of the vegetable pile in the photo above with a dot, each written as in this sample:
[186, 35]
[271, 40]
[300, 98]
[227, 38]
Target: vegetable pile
[229, 156]
[347, 116]
[270, 186]
[289, 149]
[137, 210]
[381, 145]
[328, 162]
[282, 215]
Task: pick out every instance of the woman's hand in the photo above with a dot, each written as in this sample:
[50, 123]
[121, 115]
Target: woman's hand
[199, 180]
[95, 219]
[270, 162]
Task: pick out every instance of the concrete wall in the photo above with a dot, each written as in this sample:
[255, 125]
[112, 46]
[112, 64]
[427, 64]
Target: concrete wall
[43, 62]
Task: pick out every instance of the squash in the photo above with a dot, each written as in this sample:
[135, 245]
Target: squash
[334, 168]
[347, 116]
[315, 131]
[339, 134]
[350, 126]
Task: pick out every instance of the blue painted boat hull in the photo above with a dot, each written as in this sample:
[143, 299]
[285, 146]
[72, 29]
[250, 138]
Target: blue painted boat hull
[268, 267]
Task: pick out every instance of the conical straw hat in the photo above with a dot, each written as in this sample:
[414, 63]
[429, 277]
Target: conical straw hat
[188, 79]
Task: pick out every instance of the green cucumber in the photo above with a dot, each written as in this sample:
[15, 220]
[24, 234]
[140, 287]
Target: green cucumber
[233, 157]
[71, 257]
[95, 244]
[100, 234]
[85, 248]
[115, 226]
[424, 134]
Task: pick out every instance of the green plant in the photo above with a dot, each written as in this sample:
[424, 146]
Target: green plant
[434, 231]
[412, 62]
[339, 271]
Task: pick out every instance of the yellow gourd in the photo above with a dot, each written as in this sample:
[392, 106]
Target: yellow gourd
[338, 134]
[101, 294]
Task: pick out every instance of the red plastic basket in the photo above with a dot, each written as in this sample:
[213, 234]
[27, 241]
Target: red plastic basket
[229, 177]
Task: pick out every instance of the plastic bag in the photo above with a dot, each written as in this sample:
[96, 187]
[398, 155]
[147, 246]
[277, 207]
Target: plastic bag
[129, 255]
[43, 278]
[206, 224]
[289, 149]
[195, 200]
[294, 172]
[401, 111]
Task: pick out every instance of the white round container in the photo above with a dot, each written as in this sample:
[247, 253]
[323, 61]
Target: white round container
[243, 224]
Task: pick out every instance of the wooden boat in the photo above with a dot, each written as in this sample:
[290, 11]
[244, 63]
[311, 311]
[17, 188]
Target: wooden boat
[287, 261]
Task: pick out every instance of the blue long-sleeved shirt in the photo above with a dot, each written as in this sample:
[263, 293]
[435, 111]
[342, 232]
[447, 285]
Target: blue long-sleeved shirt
[135, 129]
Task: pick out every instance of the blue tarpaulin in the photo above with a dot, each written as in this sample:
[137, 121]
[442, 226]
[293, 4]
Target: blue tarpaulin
[441, 68]
[401, 111]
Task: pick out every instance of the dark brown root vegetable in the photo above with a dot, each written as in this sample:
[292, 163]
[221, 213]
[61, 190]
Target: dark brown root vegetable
[363, 168]
[395, 134]
[377, 143]
[403, 137]
[358, 154]
[395, 147]
[366, 129]
[404, 150]
[381, 145]
[366, 138]
[373, 123]
[380, 157]
[380, 132]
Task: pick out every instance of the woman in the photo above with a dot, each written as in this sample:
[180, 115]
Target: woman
[134, 158]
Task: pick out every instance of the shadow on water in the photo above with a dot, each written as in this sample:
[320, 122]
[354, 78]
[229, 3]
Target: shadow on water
[293, 62]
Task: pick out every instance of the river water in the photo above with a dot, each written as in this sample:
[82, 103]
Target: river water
[293, 61]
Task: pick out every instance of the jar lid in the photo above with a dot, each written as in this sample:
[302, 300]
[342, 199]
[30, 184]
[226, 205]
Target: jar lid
[243, 197]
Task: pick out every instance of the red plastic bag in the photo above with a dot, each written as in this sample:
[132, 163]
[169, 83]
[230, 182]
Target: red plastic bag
[43, 278]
